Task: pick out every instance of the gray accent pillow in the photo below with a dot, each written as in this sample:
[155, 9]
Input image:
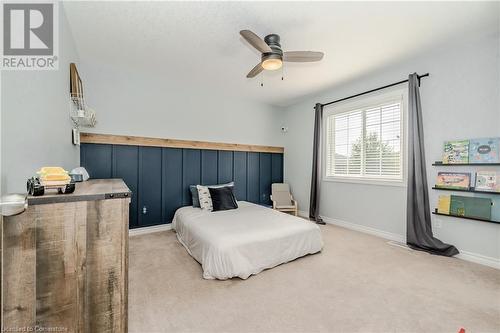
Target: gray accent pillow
[194, 192]
[194, 196]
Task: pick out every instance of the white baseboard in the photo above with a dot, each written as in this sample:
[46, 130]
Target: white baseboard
[148, 230]
[479, 259]
[359, 227]
[367, 230]
[463, 255]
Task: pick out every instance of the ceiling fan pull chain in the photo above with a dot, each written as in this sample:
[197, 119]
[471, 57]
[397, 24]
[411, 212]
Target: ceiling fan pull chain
[262, 79]
[282, 72]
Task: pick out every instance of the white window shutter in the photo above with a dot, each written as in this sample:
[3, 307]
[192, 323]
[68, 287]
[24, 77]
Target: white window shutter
[365, 142]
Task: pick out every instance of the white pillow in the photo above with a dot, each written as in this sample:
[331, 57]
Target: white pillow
[205, 198]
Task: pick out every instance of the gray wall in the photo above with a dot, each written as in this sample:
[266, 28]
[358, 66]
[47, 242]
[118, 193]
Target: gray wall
[35, 127]
[128, 102]
[460, 100]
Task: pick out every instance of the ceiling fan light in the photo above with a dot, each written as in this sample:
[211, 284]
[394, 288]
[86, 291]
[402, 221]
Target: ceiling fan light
[272, 64]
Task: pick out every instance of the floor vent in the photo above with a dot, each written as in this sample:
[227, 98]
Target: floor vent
[398, 244]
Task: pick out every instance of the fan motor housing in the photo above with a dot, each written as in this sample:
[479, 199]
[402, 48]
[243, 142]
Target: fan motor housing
[273, 40]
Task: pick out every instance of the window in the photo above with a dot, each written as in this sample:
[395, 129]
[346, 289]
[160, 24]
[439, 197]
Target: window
[365, 142]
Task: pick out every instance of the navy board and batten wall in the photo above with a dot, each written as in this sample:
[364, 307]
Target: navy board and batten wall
[159, 177]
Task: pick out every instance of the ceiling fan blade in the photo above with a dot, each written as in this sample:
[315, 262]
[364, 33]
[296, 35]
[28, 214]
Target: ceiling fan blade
[255, 71]
[255, 41]
[302, 56]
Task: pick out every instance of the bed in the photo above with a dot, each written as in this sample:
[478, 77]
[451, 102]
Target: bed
[244, 241]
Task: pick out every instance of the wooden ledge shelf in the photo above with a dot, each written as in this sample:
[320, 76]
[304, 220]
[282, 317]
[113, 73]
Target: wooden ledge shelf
[464, 190]
[174, 143]
[467, 217]
[465, 164]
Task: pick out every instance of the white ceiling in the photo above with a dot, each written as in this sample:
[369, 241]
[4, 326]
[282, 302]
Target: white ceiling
[198, 43]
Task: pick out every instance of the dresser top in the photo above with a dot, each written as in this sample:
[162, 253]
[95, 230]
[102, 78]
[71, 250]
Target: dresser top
[91, 190]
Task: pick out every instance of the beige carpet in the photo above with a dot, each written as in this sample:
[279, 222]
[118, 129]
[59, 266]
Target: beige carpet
[358, 283]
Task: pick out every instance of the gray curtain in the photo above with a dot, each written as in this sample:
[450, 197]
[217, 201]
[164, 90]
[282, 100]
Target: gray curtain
[418, 216]
[316, 166]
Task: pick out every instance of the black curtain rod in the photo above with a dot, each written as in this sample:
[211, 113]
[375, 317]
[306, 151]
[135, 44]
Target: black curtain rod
[376, 89]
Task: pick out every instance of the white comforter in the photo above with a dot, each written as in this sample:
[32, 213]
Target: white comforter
[244, 241]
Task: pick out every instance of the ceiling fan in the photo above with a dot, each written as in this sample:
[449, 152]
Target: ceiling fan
[272, 55]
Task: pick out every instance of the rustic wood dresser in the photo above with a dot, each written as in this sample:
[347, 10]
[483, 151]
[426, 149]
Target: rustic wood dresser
[65, 261]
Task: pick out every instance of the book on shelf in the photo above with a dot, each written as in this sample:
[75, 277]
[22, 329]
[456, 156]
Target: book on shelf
[485, 150]
[470, 207]
[444, 202]
[456, 152]
[453, 180]
[487, 181]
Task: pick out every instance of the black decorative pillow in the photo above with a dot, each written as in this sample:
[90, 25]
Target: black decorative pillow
[195, 196]
[223, 198]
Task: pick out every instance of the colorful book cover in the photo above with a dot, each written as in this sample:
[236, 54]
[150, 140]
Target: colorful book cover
[470, 207]
[444, 202]
[486, 150]
[453, 180]
[487, 181]
[456, 152]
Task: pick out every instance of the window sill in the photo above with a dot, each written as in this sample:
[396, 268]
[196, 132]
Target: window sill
[366, 181]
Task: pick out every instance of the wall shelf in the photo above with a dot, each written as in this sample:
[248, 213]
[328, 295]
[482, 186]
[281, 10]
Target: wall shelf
[465, 164]
[467, 217]
[472, 190]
